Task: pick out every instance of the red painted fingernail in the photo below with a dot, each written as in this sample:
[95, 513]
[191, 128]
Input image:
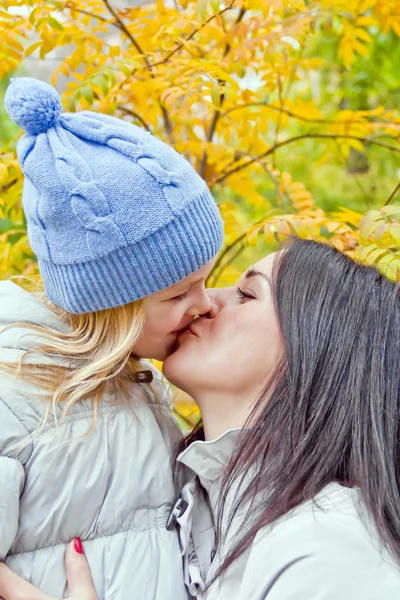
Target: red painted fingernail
[78, 546]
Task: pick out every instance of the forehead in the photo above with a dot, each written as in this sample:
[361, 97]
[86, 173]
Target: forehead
[265, 265]
[198, 276]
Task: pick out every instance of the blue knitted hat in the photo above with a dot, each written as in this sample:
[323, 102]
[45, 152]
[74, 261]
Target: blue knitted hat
[113, 213]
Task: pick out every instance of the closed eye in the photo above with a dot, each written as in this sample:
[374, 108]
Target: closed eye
[244, 295]
[181, 296]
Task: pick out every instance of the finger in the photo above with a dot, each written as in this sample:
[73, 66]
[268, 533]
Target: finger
[79, 580]
[12, 587]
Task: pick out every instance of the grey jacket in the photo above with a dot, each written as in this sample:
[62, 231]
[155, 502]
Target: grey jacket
[327, 549]
[112, 488]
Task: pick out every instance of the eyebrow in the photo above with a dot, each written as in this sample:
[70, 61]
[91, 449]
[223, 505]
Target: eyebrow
[254, 273]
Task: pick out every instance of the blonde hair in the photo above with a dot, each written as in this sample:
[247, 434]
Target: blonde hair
[96, 354]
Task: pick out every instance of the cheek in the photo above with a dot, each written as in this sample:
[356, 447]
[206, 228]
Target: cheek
[162, 322]
[238, 353]
[248, 353]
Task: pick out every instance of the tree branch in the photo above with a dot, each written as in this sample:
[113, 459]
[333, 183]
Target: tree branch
[269, 173]
[304, 136]
[190, 36]
[241, 238]
[8, 185]
[135, 115]
[122, 26]
[392, 195]
[216, 275]
[217, 113]
[181, 45]
[217, 265]
[89, 14]
[285, 111]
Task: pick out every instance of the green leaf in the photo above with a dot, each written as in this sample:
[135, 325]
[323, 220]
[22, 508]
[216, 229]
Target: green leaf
[101, 82]
[87, 93]
[201, 9]
[55, 24]
[386, 266]
[71, 103]
[183, 424]
[112, 77]
[125, 69]
[394, 231]
[392, 211]
[16, 237]
[6, 225]
[380, 232]
[369, 223]
[32, 15]
[374, 256]
[57, 4]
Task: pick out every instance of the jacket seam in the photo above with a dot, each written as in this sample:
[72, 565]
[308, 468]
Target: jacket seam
[83, 414]
[100, 537]
[23, 426]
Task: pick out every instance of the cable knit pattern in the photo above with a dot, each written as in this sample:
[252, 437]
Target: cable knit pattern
[88, 202]
[113, 213]
[170, 182]
[146, 153]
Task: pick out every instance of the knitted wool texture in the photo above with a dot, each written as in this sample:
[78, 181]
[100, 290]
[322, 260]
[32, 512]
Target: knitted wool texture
[113, 213]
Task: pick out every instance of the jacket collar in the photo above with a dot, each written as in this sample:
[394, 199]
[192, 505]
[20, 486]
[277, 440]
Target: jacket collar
[209, 459]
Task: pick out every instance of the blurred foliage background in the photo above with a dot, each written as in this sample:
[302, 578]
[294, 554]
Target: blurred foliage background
[288, 109]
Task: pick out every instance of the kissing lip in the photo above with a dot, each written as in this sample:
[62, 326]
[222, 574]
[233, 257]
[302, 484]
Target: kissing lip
[178, 332]
[189, 329]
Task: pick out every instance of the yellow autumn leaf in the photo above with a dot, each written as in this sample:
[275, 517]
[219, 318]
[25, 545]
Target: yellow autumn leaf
[216, 97]
[4, 174]
[252, 237]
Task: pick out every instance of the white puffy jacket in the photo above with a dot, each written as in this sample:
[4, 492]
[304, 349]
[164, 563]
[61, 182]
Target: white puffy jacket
[112, 488]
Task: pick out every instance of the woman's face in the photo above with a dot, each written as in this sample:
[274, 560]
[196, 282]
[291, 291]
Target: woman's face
[237, 346]
[168, 312]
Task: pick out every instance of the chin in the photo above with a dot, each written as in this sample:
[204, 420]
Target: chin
[163, 352]
[171, 369]
[157, 351]
[160, 354]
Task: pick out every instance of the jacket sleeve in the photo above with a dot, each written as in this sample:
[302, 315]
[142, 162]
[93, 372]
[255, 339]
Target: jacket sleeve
[330, 578]
[11, 483]
[13, 454]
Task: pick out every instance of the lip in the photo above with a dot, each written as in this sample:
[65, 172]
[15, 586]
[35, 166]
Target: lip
[182, 329]
[178, 332]
[189, 329]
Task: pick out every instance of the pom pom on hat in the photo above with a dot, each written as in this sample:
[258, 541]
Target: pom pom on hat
[32, 104]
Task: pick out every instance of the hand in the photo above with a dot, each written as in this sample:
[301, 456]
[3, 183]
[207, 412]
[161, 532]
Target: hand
[12, 587]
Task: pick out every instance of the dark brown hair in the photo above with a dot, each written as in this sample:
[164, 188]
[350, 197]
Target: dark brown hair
[330, 412]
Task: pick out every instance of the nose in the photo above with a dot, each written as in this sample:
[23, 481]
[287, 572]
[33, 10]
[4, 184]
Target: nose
[216, 300]
[202, 305]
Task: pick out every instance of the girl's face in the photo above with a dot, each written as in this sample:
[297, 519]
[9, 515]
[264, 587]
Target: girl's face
[237, 346]
[170, 311]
